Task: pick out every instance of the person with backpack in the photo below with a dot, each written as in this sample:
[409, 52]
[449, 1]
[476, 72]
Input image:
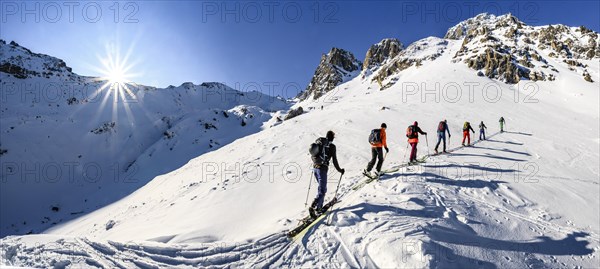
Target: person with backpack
[501, 124]
[466, 134]
[441, 134]
[378, 142]
[322, 151]
[482, 128]
[412, 132]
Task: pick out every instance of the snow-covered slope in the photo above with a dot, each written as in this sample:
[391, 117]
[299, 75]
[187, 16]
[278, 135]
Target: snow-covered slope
[525, 198]
[70, 145]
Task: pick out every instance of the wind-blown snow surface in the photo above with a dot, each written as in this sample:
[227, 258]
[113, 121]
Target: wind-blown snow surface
[524, 198]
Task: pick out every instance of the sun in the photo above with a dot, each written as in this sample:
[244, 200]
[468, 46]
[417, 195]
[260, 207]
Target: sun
[117, 77]
[116, 71]
[115, 80]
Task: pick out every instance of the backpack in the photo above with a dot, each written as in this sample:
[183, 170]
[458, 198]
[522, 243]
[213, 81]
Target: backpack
[375, 136]
[410, 132]
[318, 150]
[466, 126]
[441, 126]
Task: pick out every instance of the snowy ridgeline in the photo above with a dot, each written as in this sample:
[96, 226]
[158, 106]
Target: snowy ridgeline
[67, 134]
[525, 198]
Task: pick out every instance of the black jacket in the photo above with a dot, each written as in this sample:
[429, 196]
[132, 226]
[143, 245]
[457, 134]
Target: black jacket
[416, 130]
[330, 154]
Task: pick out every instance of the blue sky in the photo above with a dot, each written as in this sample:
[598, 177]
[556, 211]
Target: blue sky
[247, 45]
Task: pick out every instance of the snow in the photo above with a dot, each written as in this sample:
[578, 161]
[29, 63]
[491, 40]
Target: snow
[525, 198]
[106, 144]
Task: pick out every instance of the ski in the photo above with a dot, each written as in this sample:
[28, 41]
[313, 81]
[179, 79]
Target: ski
[369, 179]
[398, 167]
[308, 222]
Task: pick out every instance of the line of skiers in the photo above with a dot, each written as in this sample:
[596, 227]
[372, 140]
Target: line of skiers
[323, 150]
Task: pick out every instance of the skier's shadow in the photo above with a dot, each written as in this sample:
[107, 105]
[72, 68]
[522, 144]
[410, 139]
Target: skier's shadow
[428, 177]
[505, 142]
[505, 150]
[470, 167]
[519, 133]
[427, 211]
[572, 244]
[487, 155]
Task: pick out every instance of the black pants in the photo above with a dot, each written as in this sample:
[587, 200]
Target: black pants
[376, 153]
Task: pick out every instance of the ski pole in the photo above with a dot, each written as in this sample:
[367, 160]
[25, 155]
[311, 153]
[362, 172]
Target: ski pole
[405, 150]
[308, 192]
[384, 157]
[427, 141]
[328, 222]
[338, 186]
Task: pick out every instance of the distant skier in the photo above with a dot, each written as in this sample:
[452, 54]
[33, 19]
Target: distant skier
[412, 132]
[325, 151]
[501, 124]
[466, 134]
[378, 142]
[441, 133]
[482, 128]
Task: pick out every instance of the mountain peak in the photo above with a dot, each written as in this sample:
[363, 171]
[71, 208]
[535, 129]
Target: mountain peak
[337, 66]
[341, 58]
[22, 63]
[386, 49]
[482, 22]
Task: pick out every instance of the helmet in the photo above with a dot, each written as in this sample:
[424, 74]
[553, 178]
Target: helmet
[383, 125]
[416, 123]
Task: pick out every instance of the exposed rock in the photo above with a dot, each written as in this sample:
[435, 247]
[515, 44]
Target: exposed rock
[14, 70]
[535, 76]
[587, 77]
[565, 43]
[384, 50]
[335, 67]
[187, 85]
[19, 64]
[510, 47]
[497, 65]
[478, 25]
[168, 134]
[571, 62]
[294, 113]
[105, 128]
[427, 49]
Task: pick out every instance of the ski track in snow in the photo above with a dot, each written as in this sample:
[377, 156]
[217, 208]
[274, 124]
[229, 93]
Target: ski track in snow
[410, 208]
[523, 203]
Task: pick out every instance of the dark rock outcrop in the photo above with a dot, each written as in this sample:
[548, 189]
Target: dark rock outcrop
[498, 65]
[294, 113]
[335, 67]
[384, 50]
[23, 63]
[504, 48]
